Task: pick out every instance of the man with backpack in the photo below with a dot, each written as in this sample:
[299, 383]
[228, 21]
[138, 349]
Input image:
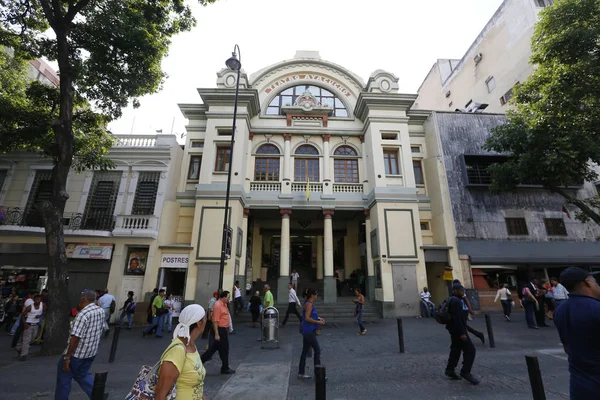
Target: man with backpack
[457, 316]
[127, 310]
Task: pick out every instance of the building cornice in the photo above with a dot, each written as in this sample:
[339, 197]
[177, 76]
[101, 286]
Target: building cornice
[396, 101]
[247, 98]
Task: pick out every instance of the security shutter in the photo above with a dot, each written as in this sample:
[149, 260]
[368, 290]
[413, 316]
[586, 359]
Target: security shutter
[40, 193]
[145, 193]
[100, 207]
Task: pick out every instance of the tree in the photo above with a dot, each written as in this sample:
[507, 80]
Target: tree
[109, 53]
[553, 133]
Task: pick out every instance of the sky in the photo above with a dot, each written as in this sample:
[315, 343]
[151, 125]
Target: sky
[401, 36]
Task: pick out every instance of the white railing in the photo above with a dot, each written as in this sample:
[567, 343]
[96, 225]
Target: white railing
[137, 222]
[347, 188]
[136, 141]
[301, 187]
[265, 186]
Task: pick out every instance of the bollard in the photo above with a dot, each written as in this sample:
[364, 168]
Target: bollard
[400, 335]
[320, 383]
[113, 346]
[488, 323]
[98, 390]
[535, 378]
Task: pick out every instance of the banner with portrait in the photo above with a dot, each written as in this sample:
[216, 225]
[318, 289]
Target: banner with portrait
[137, 258]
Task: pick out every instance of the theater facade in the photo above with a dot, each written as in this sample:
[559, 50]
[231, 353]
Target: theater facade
[330, 177]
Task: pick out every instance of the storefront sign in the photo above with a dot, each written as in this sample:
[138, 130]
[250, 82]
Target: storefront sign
[98, 251]
[177, 303]
[317, 79]
[175, 261]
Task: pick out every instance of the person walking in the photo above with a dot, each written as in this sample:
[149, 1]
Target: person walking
[292, 301]
[475, 332]
[208, 328]
[560, 292]
[426, 303]
[11, 311]
[168, 304]
[578, 323]
[149, 310]
[540, 308]
[359, 310]
[158, 312]
[32, 315]
[127, 311]
[295, 277]
[255, 306]
[221, 322]
[268, 300]
[180, 363]
[108, 303]
[529, 302]
[311, 325]
[460, 341]
[237, 298]
[82, 347]
[504, 295]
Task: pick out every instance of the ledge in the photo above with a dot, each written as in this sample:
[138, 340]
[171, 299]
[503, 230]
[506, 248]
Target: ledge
[176, 247]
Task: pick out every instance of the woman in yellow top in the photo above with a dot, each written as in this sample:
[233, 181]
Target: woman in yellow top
[180, 363]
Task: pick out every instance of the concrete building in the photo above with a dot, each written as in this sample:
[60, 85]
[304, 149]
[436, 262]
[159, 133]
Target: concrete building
[327, 179]
[507, 236]
[112, 218]
[496, 61]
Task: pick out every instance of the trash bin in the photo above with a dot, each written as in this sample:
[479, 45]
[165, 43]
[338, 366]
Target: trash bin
[270, 327]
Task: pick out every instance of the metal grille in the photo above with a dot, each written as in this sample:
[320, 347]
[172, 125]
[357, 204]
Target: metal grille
[555, 227]
[100, 207]
[145, 193]
[40, 193]
[477, 173]
[516, 226]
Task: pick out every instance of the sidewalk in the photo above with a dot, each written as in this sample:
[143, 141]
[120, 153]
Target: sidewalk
[358, 367]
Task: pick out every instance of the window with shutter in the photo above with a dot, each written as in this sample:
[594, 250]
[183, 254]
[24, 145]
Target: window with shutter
[100, 207]
[145, 193]
[40, 193]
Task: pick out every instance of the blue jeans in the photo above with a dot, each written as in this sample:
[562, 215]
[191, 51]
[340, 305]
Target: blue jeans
[169, 321]
[129, 319]
[158, 322]
[310, 340]
[428, 309]
[529, 313]
[359, 320]
[80, 371]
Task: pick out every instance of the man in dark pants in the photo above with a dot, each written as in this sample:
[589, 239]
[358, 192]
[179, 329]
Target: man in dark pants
[220, 333]
[540, 295]
[149, 310]
[461, 342]
[292, 301]
[471, 312]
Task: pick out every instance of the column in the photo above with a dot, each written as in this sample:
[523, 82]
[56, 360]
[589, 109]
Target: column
[327, 184]
[287, 155]
[364, 173]
[244, 258]
[284, 256]
[370, 267]
[320, 257]
[329, 282]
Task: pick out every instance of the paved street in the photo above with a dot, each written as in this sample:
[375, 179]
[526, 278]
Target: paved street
[358, 367]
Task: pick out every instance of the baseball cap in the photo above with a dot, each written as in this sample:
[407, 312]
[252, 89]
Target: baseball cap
[215, 294]
[458, 286]
[571, 276]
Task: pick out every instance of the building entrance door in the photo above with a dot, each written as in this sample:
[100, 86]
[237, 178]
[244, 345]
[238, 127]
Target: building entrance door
[302, 258]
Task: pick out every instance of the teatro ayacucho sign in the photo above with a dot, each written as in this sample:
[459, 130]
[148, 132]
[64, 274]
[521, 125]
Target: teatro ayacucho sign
[316, 79]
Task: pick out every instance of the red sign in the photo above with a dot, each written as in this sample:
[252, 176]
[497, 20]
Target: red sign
[323, 80]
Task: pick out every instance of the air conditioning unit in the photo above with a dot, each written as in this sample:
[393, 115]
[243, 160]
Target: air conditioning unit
[477, 58]
[474, 107]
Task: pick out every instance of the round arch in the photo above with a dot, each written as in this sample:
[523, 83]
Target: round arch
[288, 93]
[348, 145]
[263, 143]
[297, 146]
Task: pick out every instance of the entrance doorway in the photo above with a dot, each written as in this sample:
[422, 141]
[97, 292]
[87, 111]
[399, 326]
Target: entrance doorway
[302, 258]
[173, 279]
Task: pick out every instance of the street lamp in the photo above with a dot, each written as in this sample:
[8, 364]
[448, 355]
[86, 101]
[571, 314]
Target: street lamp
[234, 64]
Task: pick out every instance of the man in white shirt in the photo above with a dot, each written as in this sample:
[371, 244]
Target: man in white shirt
[427, 303]
[107, 303]
[292, 301]
[295, 277]
[560, 292]
[237, 296]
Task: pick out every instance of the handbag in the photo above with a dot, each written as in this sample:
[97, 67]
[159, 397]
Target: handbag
[145, 384]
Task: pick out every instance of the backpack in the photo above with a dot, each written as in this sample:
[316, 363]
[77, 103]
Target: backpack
[131, 308]
[442, 314]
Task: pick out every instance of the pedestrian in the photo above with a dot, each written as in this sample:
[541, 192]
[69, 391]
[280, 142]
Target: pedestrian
[158, 313]
[82, 347]
[237, 298]
[310, 328]
[168, 305]
[504, 295]
[339, 281]
[180, 363]
[292, 301]
[32, 316]
[359, 310]
[255, 306]
[295, 277]
[10, 312]
[529, 302]
[127, 310]
[208, 328]
[540, 309]
[578, 323]
[149, 310]
[426, 303]
[17, 329]
[460, 341]
[560, 292]
[108, 303]
[220, 334]
[475, 332]
[268, 300]
[549, 298]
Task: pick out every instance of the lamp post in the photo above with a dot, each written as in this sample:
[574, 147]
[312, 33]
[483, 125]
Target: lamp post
[234, 64]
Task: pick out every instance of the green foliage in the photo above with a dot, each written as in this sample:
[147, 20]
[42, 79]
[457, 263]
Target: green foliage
[553, 132]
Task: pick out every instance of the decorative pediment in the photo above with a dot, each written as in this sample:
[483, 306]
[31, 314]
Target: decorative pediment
[307, 103]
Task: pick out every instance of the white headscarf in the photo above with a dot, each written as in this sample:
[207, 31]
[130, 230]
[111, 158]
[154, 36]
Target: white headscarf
[188, 316]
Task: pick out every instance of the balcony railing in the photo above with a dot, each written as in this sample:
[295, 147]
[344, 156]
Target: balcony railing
[137, 222]
[265, 186]
[136, 141]
[301, 187]
[347, 188]
[95, 221]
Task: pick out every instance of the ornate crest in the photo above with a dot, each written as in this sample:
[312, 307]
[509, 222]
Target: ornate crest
[307, 101]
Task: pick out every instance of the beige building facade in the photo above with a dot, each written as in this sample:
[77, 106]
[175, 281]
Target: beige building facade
[497, 60]
[330, 177]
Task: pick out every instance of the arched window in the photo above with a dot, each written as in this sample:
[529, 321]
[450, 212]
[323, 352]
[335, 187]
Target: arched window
[345, 165]
[266, 167]
[325, 97]
[306, 164]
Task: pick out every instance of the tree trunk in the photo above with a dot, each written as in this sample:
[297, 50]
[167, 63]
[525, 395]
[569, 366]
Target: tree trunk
[57, 326]
[582, 205]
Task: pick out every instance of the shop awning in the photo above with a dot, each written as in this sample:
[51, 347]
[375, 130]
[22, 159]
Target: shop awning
[498, 252]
